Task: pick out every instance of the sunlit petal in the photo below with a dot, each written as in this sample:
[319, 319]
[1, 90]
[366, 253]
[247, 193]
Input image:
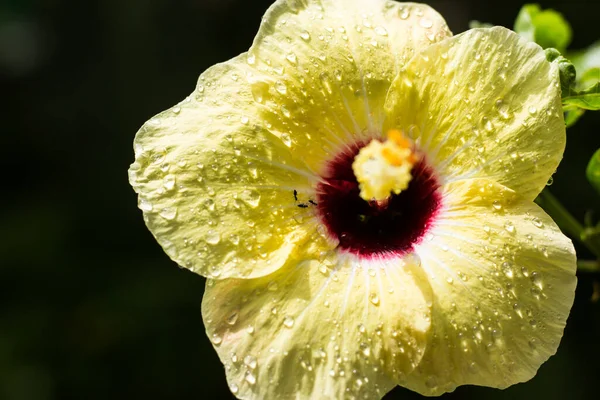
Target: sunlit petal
[484, 104]
[503, 280]
[331, 329]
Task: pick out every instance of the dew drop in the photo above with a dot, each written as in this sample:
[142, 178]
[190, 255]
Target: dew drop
[285, 138]
[507, 269]
[251, 60]
[426, 23]
[509, 227]
[291, 57]
[431, 382]
[234, 388]
[216, 339]
[234, 239]
[537, 222]
[550, 181]
[380, 30]
[536, 279]
[250, 362]
[251, 197]
[496, 205]
[374, 298]
[305, 35]
[168, 213]
[288, 321]
[145, 205]
[281, 87]
[366, 350]
[250, 378]
[169, 182]
[232, 319]
[212, 237]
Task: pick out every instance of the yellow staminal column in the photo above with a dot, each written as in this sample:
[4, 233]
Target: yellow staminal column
[383, 168]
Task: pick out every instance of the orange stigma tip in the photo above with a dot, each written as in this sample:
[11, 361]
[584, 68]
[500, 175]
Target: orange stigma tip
[398, 138]
[391, 157]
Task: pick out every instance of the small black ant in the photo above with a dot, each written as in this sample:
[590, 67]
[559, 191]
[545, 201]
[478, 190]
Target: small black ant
[303, 205]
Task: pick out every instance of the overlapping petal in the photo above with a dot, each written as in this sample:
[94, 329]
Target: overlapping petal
[216, 174]
[335, 328]
[503, 279]
[484, 104]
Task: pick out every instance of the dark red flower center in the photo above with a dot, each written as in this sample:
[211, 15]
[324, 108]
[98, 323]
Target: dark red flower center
[372, 229]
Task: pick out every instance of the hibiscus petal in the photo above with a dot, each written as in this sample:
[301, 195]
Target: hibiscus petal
[484, 104]
[218, 174]
[503, 278]
[331, 329]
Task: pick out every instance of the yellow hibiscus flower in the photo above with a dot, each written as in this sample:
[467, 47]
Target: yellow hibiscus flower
[358, 188]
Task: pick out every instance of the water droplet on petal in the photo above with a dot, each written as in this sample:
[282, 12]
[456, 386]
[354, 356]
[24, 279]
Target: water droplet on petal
[232, 319]
[426, 23]
[168, 213]
[537, 222]
[536, 279]
[285, 138]
[507, 269]
[251, 197]
[169, 182]
[431, 382]
[374, 298]
[509, 227]
[234, 388]
[216, 339]
[497, 205]
[212, 237]
[380, 30]
[250, 378]
[288, 322]
[250, 362]
[281, 87]
[291, 57]
[305, 35]
[145, 205]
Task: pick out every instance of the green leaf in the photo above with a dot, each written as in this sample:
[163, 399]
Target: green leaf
[477, 24]
[593, 171]
[588, 99]
[572, 115]
[568, 74]
[548, 28]
[587, 63]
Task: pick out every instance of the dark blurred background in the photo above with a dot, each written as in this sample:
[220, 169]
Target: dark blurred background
[90, 306]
